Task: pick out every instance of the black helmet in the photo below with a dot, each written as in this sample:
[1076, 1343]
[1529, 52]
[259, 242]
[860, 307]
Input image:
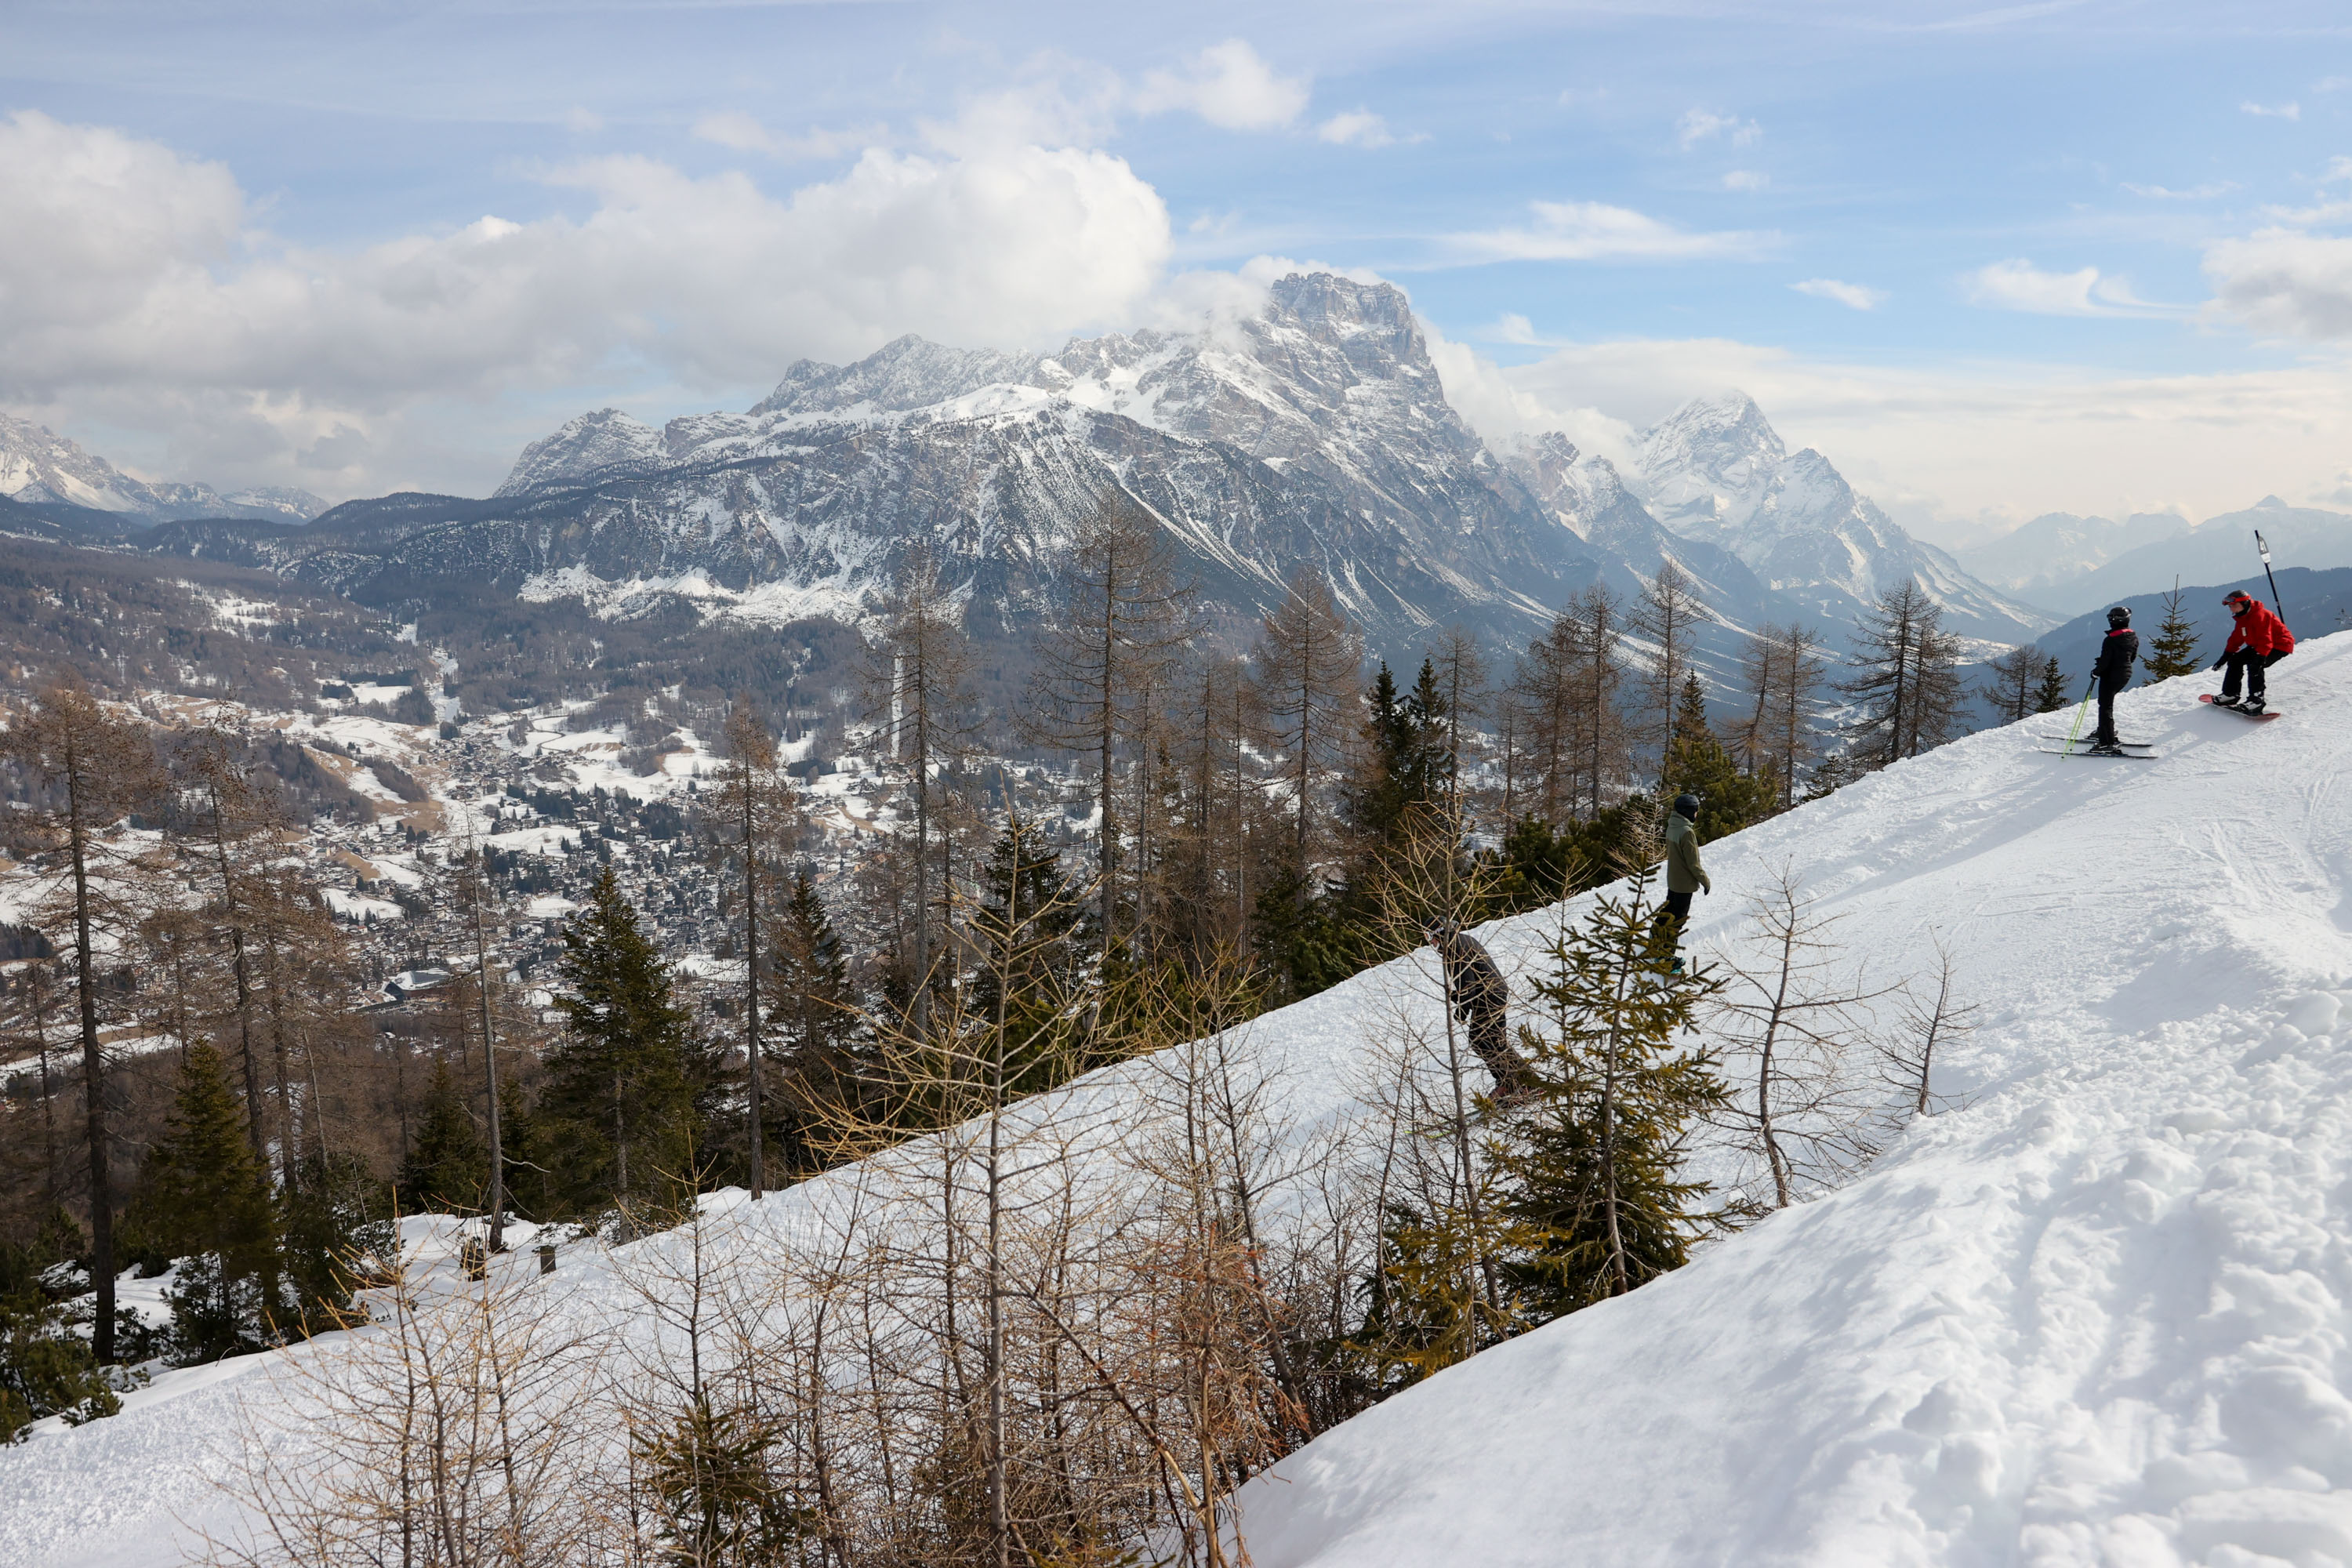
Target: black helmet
[1686, 805]
[2119, 617]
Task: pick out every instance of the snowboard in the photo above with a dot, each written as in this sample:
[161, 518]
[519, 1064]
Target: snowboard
[2110, 756]
[2257, 718]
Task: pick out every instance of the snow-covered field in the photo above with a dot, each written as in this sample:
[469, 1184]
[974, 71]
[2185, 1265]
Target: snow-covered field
[2096, 1317]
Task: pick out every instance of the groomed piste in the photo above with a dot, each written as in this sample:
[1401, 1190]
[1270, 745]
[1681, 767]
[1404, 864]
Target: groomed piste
[2094, 1312]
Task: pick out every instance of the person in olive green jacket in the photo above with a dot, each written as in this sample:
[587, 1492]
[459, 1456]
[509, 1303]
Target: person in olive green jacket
[1685, 874]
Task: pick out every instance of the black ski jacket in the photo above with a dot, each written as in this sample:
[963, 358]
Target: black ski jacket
[1478, 986]
[2116, 656]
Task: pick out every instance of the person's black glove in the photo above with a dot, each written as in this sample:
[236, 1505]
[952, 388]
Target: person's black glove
[2220, 661]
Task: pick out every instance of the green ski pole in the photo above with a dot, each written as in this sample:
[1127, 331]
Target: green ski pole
[2080, 709]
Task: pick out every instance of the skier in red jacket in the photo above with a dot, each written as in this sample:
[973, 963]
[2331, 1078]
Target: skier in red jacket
[2258, 641]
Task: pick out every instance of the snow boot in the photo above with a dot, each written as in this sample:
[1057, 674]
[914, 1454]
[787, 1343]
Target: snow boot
[2254, 704]
[2103, 749]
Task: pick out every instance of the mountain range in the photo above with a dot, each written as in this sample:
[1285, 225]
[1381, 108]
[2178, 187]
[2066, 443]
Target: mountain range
[37, 466]
[1315, 431]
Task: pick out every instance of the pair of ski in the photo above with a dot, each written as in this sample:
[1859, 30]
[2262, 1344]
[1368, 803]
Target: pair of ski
[2144, 750]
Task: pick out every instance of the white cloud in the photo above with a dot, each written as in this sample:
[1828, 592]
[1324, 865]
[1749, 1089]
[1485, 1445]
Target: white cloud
[136, 279]
[1229, 86]
[1853, 296]
[1745, 180]
[1360, 128]
[1698, 125]
[2193, 193]
[2338, 168]
[2022, 286]
[1595, 231]
[2289, 110]
[745, 133]
[582, 121]
[2332, 84]
[2284, 281]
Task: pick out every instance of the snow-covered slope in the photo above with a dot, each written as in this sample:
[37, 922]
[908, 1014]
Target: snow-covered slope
[38, 465]
[2097, 1316]
[1715, 470]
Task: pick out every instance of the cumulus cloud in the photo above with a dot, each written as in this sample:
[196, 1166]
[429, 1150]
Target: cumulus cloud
[1698, 125]
[1230, 86]
[1745, 180]
[2289, 110]
[1359, 128]
[2021, 285]
[1852, 296]
[1595, 231]
[2284, 281]
[133, 272]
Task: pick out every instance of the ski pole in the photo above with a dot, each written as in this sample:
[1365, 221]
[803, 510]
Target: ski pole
[2263, 545]
[2080, 709]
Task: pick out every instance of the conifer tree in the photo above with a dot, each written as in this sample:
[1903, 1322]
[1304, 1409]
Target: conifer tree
[98, 768]
[1037, 970]
[1797, 673]
[1596, 1167]
[1401, 764]
[207, 1200]
[1698, 762]
[1308, 655]
[620, 1102]
[814, 1015]
[2052, 695]
[1668, 614]
[1108, 655]
[2173, 651]
[752, 811]
[2012, 689]
[1905, 679]
[917, 682]
[446, 1169]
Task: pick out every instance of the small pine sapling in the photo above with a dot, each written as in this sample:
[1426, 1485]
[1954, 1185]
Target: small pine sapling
[1596, 1182]
[2173, 651]
[2052, 694]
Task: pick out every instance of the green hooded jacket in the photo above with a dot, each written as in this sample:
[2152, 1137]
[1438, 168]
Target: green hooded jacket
[1684, 873]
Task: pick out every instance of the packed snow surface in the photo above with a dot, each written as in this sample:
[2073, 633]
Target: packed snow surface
[2093, 1313]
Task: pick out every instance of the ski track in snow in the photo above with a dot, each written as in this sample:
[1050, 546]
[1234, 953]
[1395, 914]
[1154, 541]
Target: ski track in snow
[2097, 1317]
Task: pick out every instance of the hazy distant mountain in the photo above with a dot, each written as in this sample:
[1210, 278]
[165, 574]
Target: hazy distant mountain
[37, 465]
[1714, 471]
[2045, 561]
[2222, 550]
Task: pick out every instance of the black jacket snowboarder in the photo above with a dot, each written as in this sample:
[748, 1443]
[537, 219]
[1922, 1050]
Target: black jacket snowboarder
[2113, 669]
[1481, 999]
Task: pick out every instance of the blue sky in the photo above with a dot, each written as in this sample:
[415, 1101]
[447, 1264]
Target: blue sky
[1994, 260]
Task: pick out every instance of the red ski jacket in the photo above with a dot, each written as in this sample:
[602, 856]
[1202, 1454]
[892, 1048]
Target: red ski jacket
[2260, 630]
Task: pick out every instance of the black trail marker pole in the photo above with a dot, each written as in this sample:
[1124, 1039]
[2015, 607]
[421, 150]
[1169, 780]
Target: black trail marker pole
[2276, 602]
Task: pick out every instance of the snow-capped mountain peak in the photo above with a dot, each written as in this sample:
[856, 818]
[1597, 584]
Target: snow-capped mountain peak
[905, 374]
[591, 446]
[38, 465]
[1715, 470]
[1715, 452]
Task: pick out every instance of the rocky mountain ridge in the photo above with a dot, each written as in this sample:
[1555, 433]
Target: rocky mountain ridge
[1315, 431]
[1715, 470]
[38, 466]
